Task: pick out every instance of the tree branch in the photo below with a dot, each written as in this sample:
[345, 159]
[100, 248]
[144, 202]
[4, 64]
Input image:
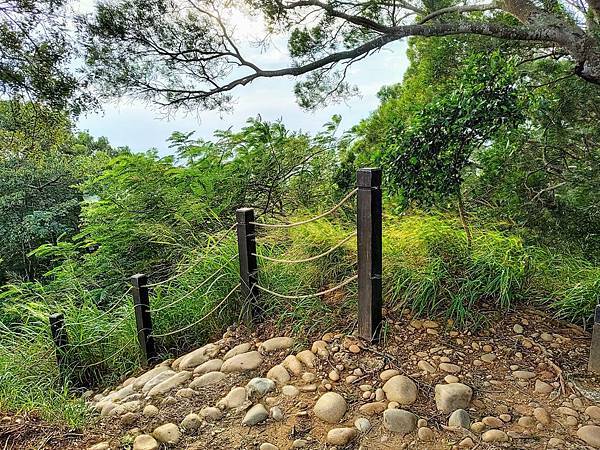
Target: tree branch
[460, 9]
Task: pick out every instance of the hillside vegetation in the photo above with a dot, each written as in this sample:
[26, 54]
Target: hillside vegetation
[491, 201]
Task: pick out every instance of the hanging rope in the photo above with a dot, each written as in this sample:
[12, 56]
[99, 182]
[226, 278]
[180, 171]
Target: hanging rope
[312, 258]
[103, 314]
[191, 266]
[301, 297]
[190, 292]
[202, 318]
[106, 335]
[112, 355]
[320, 216]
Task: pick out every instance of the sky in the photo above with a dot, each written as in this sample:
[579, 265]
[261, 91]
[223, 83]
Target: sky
[141, 126]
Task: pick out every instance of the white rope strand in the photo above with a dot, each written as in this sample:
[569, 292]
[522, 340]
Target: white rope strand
[190, 292]
[191, 266]
[103, 314]
[312, 258]
[106, 335]
[320, 216]
[202, 318]
[301, 297]
[86, 366]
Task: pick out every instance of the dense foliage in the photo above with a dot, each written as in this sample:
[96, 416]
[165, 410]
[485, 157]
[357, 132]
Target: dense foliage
[490, 151]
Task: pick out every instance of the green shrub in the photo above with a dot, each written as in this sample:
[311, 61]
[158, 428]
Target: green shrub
[428, 264]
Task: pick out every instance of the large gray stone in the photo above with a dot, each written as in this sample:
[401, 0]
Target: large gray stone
[399, 421]
[460, 419]
[258, 387]
[450, 397]
[258, 413]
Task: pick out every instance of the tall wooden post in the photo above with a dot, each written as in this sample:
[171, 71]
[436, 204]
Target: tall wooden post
[60, 338]
[246, 235]
[594, 361]
[143, 321]
[369, 253]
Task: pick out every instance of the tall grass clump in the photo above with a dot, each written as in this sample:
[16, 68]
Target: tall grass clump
[303, 278]
[29, 378]
[432, 268]
[429, 267]
[102, 337]
[569, 284]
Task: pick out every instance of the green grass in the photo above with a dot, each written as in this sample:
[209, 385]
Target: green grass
[428, 267]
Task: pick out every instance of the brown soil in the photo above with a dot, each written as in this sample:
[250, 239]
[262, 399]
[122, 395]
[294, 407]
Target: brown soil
[562, 360]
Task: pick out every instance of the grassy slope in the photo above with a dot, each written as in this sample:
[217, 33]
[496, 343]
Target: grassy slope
[428, 266]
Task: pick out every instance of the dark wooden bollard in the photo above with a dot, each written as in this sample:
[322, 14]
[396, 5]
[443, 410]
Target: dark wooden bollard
[143, 321]
[246, 236]
[61, 341]
[594, 361]
[369, 253]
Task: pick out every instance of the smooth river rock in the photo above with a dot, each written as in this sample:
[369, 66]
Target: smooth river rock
[331, 407]
[199, 356]
[245, 361]
[276, 343]
[207, 379]
[170, 383]
[258, 413]
[213, 365]
[401, 389]
[460, 419]
[167, 434]
[590, 434]
[341, 436]
[237, 350]
[145, 442]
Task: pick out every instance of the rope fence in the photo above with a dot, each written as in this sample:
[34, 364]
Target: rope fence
[192, 266]
[313, 219]
[368, 235]
[311, 258]
[202, 318]
[316, 294]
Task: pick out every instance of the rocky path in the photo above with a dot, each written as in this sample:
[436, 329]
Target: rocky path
[423, 388]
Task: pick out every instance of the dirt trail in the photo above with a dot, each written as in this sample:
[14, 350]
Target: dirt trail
[522, 384]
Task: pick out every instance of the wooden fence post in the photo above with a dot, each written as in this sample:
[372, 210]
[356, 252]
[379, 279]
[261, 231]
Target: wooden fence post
[60, 338]
[369, 253]
[246, 235]
[143, 321]
[594, 361]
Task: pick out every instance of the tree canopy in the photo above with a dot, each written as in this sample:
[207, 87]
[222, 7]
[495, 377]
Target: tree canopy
[38, 55]
[186, 54]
